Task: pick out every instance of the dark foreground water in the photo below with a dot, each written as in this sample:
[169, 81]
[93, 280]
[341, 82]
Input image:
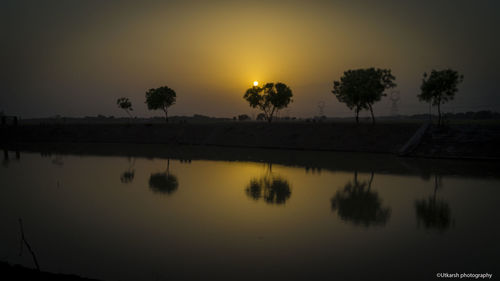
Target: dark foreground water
[157, 213]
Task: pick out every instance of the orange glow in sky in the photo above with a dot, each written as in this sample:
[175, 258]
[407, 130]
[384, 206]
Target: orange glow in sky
[64, 62]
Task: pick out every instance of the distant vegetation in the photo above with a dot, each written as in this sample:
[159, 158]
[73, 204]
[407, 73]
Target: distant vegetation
[243, 117]
[160, 98]
[359, 89]
[270, 98]
[440, 87]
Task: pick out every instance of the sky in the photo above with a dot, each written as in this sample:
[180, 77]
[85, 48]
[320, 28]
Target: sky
[75, 58]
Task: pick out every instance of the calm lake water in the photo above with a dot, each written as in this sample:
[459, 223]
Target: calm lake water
[158, 213]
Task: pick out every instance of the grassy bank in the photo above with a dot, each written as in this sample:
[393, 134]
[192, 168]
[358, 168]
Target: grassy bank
[384, 137]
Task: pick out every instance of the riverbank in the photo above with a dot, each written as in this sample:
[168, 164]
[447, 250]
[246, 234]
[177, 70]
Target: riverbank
[384, 138]
[459, 141]
[310, 161]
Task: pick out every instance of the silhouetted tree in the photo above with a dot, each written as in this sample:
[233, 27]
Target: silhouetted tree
[360, 88]
[125, 104]
[243, 117]
[272, 188]
[160, 98]
[270, 98]
[261, 117]
[358, 204]
[163, 182]
[432, 212]
[5, 161]
[128, 175]
[440, 87]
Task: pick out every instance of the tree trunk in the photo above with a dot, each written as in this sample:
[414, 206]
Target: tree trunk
[370, 182]
[130, 116]
[371, 111]
[435, 187]
[439, 114]
[357, 115]
[166, 115]
[271, 115]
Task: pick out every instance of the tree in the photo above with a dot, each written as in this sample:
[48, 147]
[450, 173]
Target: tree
[439, 87]
[128, 175]
[270, 98]
[274, 189]
[434, 213]
[165, 182]
[360, 88]
[160, 98]
[243, 117]
[358, 204]
[125, 104]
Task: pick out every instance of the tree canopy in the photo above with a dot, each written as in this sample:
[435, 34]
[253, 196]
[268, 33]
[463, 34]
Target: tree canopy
[269, 98]
[273, 189]
[358, 204]
[160, 98]
[440, 87]
[165, 182]
[125, 104]
[359, 89]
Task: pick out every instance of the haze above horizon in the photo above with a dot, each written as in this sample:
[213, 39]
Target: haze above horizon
[76, 58]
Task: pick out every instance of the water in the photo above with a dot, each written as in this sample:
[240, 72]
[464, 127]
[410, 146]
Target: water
[162, 213]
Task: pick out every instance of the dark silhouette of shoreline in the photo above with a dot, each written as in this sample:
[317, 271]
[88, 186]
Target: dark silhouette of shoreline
[458, 141]
[311, 161]
[385, 138]
[19, 272]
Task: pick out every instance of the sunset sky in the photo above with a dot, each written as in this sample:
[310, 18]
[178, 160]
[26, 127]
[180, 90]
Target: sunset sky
[75, 58]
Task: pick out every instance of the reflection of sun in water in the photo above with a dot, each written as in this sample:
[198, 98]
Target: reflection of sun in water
[256, 83]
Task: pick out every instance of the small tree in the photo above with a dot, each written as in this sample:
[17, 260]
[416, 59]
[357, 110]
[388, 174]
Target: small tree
[243, 117]
[360, 88]
[160, 98]
[270, 98]
[440, 87]
[125, 104]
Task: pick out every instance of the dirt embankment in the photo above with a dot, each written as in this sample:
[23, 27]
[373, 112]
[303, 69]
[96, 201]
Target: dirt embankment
[387, 137]
[463, 141]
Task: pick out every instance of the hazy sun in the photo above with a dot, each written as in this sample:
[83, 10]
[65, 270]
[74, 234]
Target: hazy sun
[256, 83]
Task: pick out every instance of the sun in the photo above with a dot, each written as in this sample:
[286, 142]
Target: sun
[255, 83]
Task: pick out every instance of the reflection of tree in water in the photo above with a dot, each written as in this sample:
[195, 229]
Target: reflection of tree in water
[274, 189]
[433, 213]
[356, 203]
[313, 170]
[128, 175]
[6, 159]
[165, 182]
